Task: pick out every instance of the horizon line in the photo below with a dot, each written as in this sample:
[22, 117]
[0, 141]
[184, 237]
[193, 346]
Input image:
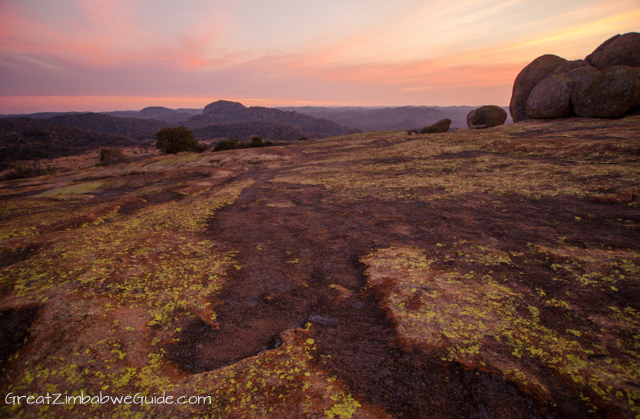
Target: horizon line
[24, 105]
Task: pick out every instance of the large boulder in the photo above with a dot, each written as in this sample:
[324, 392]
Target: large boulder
[618, 50]
[440, 126]
[486, 117]
[551, 98]
[529, 78]
[607, 93]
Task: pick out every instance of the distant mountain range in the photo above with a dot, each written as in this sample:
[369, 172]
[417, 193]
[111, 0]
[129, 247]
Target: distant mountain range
[53, 134]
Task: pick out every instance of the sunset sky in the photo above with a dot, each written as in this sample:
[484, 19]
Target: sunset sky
[105, 55]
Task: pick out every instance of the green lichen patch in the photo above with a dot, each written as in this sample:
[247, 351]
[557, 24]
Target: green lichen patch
[480, 320]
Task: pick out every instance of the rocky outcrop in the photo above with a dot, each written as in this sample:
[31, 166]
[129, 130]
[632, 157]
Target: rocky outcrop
[440, 126]
[529, 78]
[605, 84]
[607, 93]
[223, 107]
[486, 117]
[224, 112]
[551, 98]
[618, 50]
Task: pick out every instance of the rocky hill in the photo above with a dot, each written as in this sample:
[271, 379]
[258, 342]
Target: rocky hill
[225, 112]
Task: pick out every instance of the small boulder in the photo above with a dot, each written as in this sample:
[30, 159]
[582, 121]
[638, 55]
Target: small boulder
[551, 98]
[618, 50]
[529, 78]
[486, 117]
[607, 93]
[440, 126]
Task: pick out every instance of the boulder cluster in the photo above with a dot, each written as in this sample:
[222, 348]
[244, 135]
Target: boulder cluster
[606, 84]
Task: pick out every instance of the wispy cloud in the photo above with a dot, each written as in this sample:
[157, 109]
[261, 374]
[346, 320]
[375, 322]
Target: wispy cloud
[338, 50]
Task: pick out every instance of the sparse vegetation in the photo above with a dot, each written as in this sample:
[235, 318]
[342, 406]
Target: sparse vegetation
[234, 144]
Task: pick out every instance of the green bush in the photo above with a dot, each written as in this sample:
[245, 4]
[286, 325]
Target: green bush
[257, 142]
[199, 148]
[175, 140]
[234, 144]
[228, 145]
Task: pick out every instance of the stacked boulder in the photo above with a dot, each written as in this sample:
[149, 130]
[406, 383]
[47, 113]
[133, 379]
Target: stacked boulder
[605, 84]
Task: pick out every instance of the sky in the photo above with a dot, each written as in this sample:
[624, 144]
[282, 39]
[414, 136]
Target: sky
[106, 55]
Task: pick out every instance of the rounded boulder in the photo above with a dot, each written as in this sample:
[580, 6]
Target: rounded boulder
[617, 50]
[607, 93]
[529, 78]
[551, 98]
[486, 117]
[440, 126]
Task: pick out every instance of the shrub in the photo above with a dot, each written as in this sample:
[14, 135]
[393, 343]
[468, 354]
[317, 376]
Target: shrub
[109, 156]
[233, 144]
[257, 142]
[199, 148]
[175, 140]
[228, 145]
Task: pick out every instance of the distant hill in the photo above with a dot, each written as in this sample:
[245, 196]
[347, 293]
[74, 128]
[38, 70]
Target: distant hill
[161, 113]
[38, 115]
[388, 118]
[226, 112]
[136, 128]
[30, 139]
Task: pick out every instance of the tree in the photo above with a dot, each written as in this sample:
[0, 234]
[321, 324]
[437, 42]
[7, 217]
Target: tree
[175, 140]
